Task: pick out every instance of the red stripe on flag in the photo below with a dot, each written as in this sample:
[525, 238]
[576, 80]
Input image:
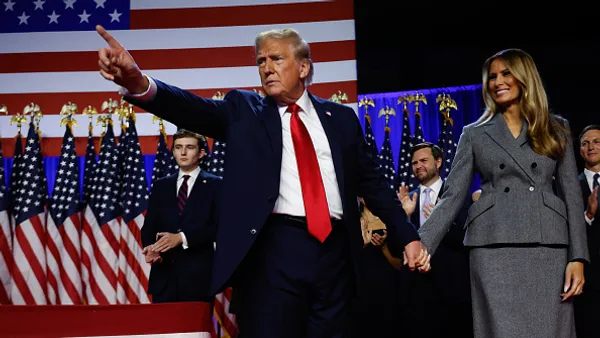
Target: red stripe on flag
[52, 280]
[242, 15]
[8, 260]
[154, 59]
[73, 253]
[29, 254]
[92, 285]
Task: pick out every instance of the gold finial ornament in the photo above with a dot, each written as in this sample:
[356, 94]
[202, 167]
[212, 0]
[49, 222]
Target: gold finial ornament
[366, 102]
[68, 110]
[387, 112]
[219, 96]
[446, 103]
[339, 97]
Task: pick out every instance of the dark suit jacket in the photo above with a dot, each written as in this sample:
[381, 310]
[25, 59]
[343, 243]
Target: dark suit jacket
[187, 270]
[251, 127]
[449, 276]
[592, 271]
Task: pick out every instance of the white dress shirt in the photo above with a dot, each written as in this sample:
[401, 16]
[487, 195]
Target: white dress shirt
[290, 199]
[433, 194]
[190, 183]
[589, 176]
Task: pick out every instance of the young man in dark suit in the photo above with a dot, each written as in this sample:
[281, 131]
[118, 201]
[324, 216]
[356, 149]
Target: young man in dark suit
[289, 230]
[180, 226]
[587, 305]
[438, 303]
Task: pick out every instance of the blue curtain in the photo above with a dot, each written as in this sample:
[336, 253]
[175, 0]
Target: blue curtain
[469, 104]
[51, 166]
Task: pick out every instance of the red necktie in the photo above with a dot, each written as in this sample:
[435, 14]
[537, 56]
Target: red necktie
[182, 195]
[313, 190]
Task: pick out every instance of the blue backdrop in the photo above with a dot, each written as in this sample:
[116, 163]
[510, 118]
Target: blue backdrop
[469, 104]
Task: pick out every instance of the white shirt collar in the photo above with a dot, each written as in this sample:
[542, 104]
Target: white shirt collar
[436, 186]
[193, 175]
[304, 103]
[589, 176]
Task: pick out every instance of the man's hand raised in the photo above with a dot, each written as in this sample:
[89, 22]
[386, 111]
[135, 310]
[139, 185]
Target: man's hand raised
[117, 65]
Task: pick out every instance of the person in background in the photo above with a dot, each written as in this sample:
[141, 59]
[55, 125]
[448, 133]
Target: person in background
[179, 230]
[587, 305]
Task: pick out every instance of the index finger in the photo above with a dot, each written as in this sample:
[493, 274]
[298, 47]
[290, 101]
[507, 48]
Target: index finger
[107, 37]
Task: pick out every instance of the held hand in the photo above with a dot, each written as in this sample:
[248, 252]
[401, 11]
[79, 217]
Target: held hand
[574, 280]
[409, 203]
[117, 65]
[151, 256]
[592, 204]
[416, 256]
[166, 242]
[378, 240]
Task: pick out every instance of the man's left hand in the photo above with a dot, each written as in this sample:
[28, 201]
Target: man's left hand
[167, 241]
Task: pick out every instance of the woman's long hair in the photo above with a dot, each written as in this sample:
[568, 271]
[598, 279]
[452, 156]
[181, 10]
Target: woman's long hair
[547, 134]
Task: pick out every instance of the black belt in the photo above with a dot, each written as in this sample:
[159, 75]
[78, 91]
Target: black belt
[300, 219]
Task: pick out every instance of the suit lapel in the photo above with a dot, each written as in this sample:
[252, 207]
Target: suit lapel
[333, 138]
[415, 218]
[499, 132]
[269, 116]
[585, 188]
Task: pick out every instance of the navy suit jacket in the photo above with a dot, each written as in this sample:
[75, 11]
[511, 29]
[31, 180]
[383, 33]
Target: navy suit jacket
[187, 270]
[592, 271]
[251, 127]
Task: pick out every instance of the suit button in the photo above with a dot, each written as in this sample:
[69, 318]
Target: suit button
[534, 165]
[502, 166]
[507, 189]
[531, 188]
[252, 231]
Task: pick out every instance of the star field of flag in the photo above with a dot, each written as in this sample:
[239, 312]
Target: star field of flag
[135, 192]
[405, 174]
[104, 200]
[217, 159]
[65, 198]
[448, 145]
[32, 188]
[386, 160]
[18, 16]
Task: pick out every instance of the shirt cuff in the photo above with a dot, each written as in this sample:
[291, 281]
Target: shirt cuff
[587, 220]
[146, 96]
[185, 243]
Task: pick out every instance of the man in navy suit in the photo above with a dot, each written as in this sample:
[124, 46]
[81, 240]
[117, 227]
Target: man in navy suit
[180, 226]
[289, 230]
[436, 304]
[587, 305]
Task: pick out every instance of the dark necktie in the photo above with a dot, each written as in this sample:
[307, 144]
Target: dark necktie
[595, 181]
[313, 190]
[182, 195]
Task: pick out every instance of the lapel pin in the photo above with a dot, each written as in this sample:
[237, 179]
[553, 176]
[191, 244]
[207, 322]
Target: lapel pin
[204, 181]
[328, 113]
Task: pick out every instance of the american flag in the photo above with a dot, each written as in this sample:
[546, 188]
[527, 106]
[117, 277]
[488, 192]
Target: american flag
[386, 159]
[216, 166]
[405, 172]
[209, 43]
[418, 136]
[90, 165]
[369, 138]
[133, 269]
[448, 145]
[164, 162]
[29, 243]
[5, 239]
[101, 228]
[64, 230]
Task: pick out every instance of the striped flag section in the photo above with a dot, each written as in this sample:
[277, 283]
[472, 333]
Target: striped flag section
[210, 48]
[63, 230]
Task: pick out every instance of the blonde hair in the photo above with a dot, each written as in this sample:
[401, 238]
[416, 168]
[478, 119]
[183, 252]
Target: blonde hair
[299, 45]
[547, 133]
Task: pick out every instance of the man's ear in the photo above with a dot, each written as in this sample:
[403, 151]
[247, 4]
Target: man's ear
[202, 153]
[304, 68]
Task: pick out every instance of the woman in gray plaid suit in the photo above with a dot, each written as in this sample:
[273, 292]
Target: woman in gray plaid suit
[526, 232]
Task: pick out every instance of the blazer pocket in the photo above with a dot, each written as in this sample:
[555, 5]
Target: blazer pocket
[478, 208]
[555, 203]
